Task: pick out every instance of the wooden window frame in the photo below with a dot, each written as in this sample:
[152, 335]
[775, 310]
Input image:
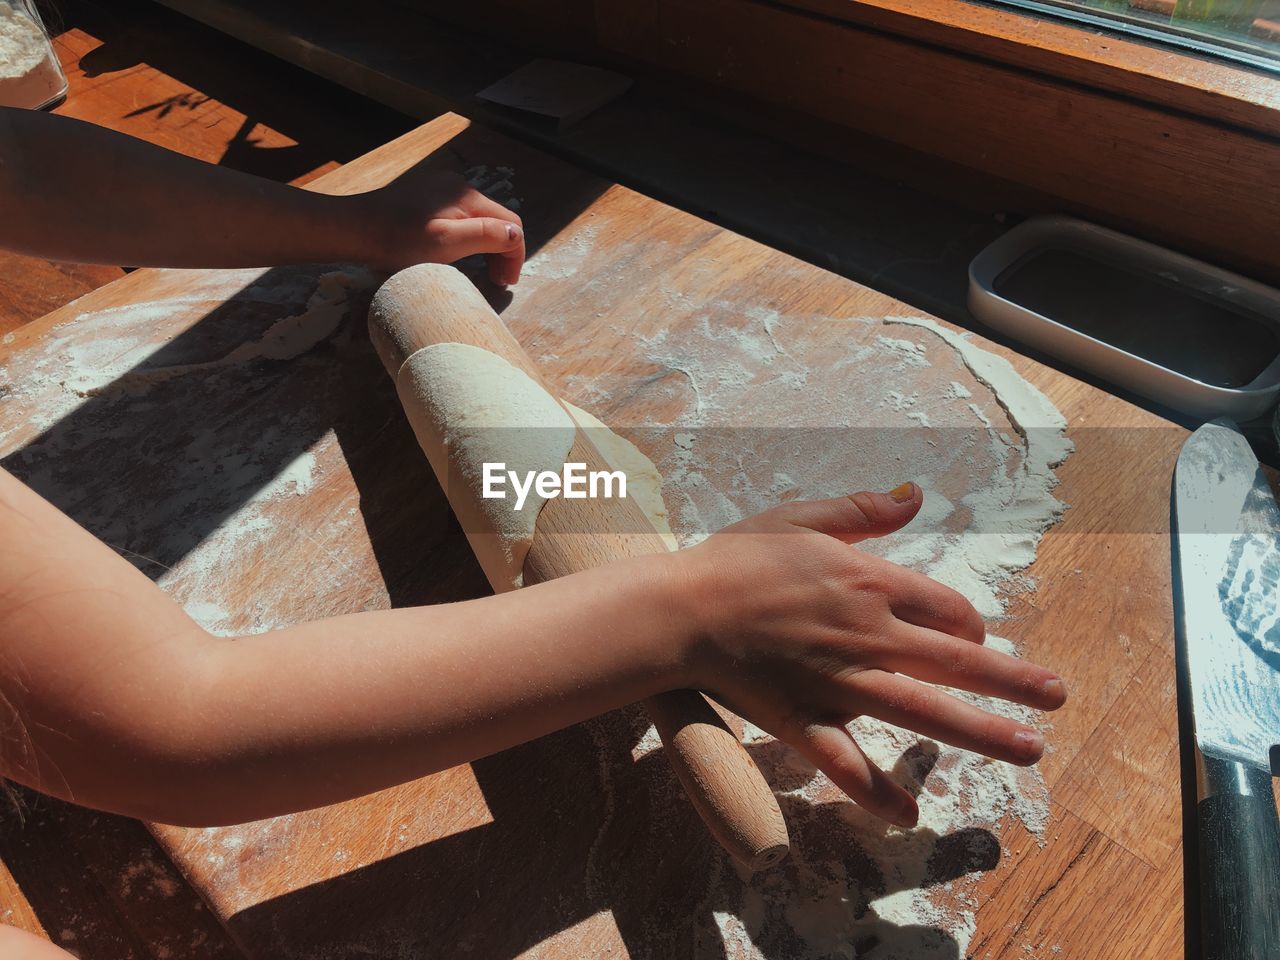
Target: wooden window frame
[1137, 149]
[1177, 79]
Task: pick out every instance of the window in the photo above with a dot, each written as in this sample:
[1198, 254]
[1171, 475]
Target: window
[1246, 31]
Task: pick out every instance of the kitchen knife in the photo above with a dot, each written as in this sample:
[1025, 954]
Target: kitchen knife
[1227, 568]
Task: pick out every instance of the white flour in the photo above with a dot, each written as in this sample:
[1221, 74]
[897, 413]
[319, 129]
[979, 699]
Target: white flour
[29, 76]
[855, 886]
[233, 542]
[908, 352]
[560, 259]
[111, 352]
[1010, 514]
[108, 367]
[753, 394]
[1248, 592]
[186, 489]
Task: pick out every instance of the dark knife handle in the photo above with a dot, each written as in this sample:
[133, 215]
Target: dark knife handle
[1239, 863]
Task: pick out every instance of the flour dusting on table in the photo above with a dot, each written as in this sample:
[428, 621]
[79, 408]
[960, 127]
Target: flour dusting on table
[763, 412]
[176, 430]
[855, 886]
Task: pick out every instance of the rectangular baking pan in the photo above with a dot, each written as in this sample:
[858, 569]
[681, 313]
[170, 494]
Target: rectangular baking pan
[1177, 330]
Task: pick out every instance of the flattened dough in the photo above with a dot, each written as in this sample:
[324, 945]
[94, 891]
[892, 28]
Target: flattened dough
[644, 481]
[469, 407]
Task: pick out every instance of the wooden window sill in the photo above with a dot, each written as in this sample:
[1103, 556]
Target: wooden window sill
[1168, 77]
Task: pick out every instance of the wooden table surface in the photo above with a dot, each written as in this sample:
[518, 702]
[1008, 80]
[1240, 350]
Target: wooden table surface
[264, 494]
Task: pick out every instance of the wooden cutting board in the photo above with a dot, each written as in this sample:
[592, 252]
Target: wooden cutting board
[287, 486]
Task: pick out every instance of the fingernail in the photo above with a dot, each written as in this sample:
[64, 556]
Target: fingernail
[903, 492]
[1029, 743]
[513, 232]
[1055, 690]
[909, 816]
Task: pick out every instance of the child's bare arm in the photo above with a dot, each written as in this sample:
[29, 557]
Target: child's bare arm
[117, 700]
[17, 944]
[73, 191]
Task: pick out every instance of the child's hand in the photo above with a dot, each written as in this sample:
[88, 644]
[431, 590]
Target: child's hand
[426, 216]
[804, 633]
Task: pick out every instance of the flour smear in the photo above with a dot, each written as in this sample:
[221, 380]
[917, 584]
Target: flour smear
[768, 412]
[178, 429]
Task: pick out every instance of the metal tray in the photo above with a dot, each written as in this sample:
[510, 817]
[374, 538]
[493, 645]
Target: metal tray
[1179, 331]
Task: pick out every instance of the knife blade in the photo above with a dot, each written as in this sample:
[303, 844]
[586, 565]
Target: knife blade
[1227, 570]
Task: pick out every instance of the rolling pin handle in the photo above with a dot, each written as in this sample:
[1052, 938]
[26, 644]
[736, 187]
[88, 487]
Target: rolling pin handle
[431, 304]
[720, 778]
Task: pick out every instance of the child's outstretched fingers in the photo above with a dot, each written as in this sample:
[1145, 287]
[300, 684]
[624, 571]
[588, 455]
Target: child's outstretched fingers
[832, 749]
[800, 631]
[932, 713]
[937, 657]
[923, 602]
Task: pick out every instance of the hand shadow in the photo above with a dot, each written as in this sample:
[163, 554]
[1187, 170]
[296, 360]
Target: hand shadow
[580, 828]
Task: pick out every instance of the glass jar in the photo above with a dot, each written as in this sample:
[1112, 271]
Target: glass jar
[30, 75]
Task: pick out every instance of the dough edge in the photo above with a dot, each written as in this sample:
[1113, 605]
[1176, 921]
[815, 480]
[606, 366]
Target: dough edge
[468, 406]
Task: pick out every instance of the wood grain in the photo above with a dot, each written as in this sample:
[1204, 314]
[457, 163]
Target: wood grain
[1123, 764]
[1212, 89]
[576, 844]
[1076, 893]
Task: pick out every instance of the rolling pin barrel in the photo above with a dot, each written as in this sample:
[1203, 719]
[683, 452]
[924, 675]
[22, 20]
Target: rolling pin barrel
[431, 304]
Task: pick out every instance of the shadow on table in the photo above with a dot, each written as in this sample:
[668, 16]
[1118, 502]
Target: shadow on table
[580, 828]
[208, 66]
[101, 884]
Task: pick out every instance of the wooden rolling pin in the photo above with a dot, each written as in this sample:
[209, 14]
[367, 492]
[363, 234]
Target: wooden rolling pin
[430, 304]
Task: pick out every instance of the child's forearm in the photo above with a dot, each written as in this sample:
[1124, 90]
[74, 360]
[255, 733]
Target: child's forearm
[328, 710]
[74, 191]
[112, 697]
